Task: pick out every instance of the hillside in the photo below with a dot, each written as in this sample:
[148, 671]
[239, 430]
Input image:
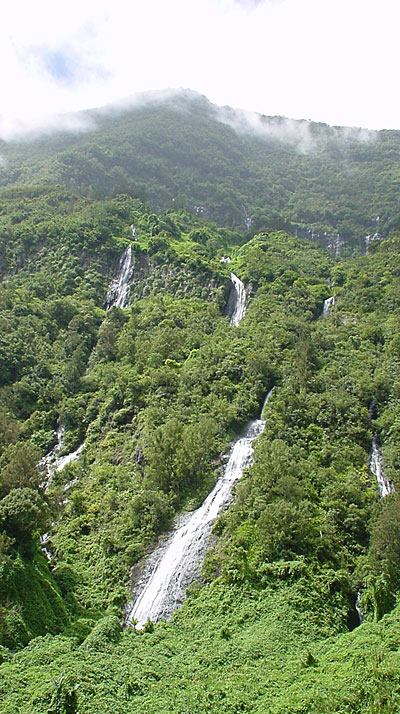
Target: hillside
[244, 171]
[124, 383]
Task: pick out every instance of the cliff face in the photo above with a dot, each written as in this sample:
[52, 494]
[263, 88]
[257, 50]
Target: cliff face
[158, 275]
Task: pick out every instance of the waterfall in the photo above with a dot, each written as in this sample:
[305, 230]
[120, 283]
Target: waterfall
[376, 465]
[69, 458]
[118, 292]
[52, 463]
[368, 239]
[236, 307]
[176, 564]
[328, 306]
[358, 607]
[247, 219]
[48, 462]
[335, 244]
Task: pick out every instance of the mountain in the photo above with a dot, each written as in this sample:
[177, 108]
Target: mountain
[243, 170]
[138, 343]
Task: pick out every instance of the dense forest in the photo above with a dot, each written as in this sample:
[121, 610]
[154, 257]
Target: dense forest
[296, 608]
[248, 172]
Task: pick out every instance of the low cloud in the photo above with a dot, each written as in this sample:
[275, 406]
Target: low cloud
[302, 134]
[270, 56]
[155, 96]
[289, 131]
[12, 128]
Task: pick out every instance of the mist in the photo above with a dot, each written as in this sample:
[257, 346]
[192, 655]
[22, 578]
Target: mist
[12, 129]
[279, 57]
[304, 135]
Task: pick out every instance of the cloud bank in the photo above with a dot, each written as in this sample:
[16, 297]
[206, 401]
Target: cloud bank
[334, 62]
[304, 135]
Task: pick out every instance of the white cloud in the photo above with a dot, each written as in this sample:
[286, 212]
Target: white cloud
[334, 61]
[298, 133]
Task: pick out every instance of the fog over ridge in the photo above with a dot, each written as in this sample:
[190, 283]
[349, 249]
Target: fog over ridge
[20, 130]
[304, 135]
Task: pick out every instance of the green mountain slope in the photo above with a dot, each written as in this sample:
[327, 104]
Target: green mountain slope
[155, 393]
[186, 152]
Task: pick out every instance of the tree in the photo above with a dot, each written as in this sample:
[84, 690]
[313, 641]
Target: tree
[20, 468]
[23, 513]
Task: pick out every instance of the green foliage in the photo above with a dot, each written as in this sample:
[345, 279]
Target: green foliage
[30, 601]
[277, 649]
[23, 513]
[179, 154]
[106, 632]
[64, 697]
[159, 389]
[19, 467]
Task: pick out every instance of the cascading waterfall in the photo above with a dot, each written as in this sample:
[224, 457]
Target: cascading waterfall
[358, 608]
[247, 218]
[369, 239]
[48, 463]
[328, 306]
[118, 292]
[385, 487]
[51, 463]
[236, 308]
[175, 565]
[69, 458]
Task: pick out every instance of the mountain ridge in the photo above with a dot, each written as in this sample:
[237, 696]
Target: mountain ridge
[146, 393]
[181, 153]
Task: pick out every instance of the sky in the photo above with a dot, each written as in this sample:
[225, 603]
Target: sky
[335, 61]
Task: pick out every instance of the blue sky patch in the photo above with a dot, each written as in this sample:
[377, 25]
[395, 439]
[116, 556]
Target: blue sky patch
[60, 66]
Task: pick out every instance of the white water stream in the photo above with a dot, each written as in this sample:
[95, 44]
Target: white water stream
[236, 308]
[358, 608]
[48, 465]
[328, 306]
[69, 458]
[51, 462]
[385, 487]
[175, 565]
[118, 292]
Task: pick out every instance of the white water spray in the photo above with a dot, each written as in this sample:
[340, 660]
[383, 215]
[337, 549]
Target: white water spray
[51, 463]
[358, 607]
[69, 458]
[175, 565]
[247, 218]
[118, 292]
[236, 308]
[328, 306]
[385, 487]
